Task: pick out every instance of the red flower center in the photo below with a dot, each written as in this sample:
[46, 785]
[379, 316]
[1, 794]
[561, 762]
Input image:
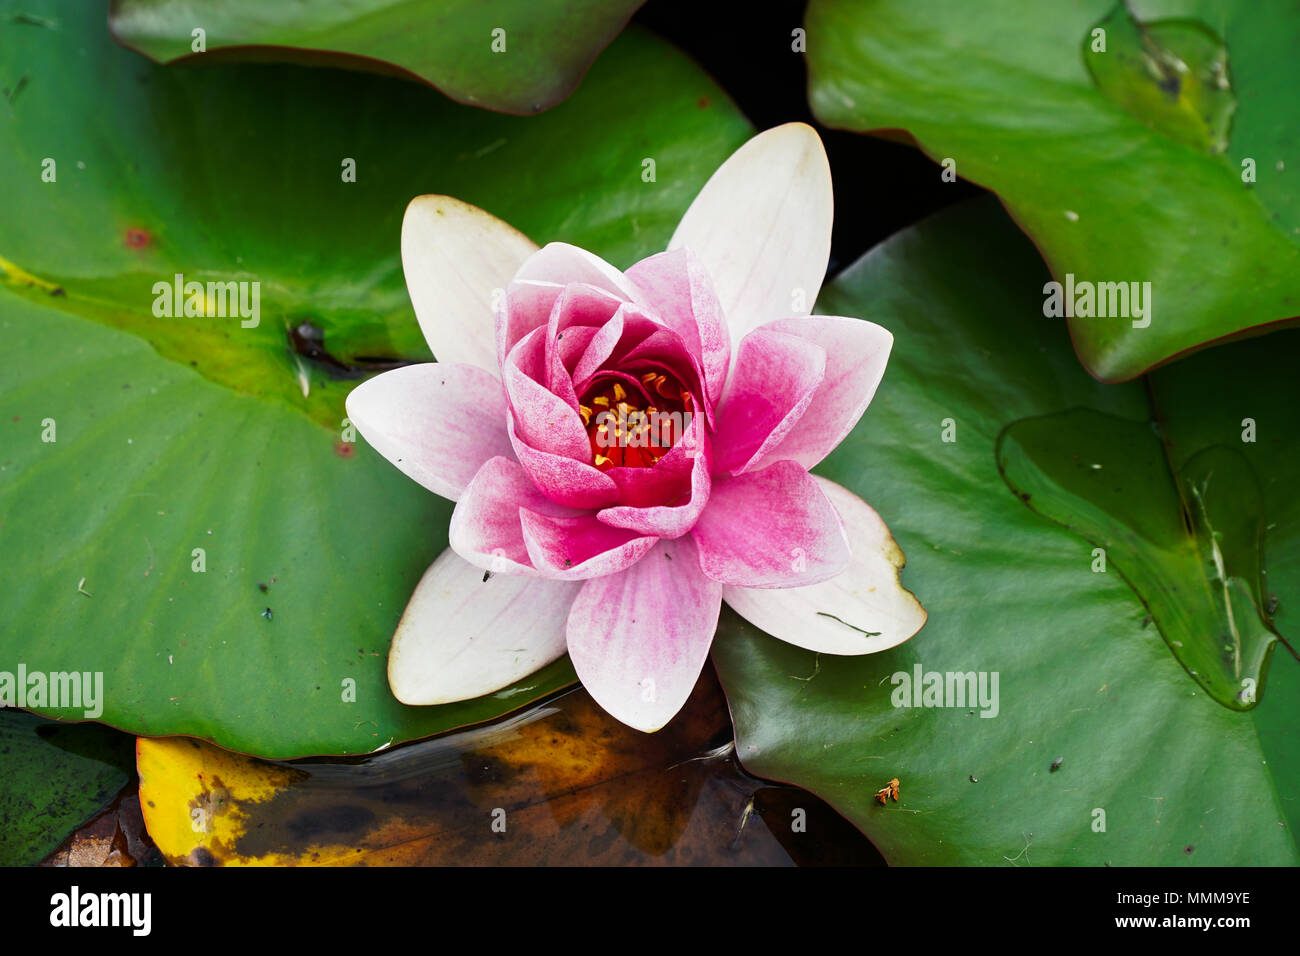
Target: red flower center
[634, 421]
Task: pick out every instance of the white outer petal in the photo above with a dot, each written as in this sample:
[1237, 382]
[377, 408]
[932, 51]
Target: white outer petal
[455, 256]
[762, 227]
[434, 422]
[461, 637]
[867, 595]
[639, 639]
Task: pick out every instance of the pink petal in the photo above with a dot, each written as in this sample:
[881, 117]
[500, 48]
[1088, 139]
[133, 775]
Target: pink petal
[830, 617]
[437, 423]
[565, 481]
[671, 477]
[579, 307]
[581, 304]
[638, 639]
[565, 264]
[647, 487]
[526, 306]
[566, 352]
[856, 354]
[774, 382]
[665, 348]
[631, 328]
[574, 345]
[461, 637]
[680, 292]
[543, 420]
[576, 547]
[485, 528]
[599, 349]
[674, 519]
[454, 256]
[762, 227]
[771, 529]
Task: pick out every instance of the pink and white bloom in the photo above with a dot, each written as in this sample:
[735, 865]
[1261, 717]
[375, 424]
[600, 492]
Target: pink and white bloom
[627, 450]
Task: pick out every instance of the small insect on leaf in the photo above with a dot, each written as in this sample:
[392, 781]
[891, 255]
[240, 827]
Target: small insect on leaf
[889, 790]
[1056, 764]
[267, 614]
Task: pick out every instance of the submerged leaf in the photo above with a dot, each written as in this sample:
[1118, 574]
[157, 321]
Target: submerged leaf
[55, 777]
[1191, 548]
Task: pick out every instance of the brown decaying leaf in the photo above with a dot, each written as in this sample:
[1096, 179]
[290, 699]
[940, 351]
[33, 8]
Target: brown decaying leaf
[115, 837]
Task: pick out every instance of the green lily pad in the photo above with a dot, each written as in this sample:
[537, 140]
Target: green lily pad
[55, 778]
[1096, 746]
[517, 57]
[172, 434]
[1162, 158]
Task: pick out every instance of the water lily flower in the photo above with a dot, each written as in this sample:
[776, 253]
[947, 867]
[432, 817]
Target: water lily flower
[628, 450]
